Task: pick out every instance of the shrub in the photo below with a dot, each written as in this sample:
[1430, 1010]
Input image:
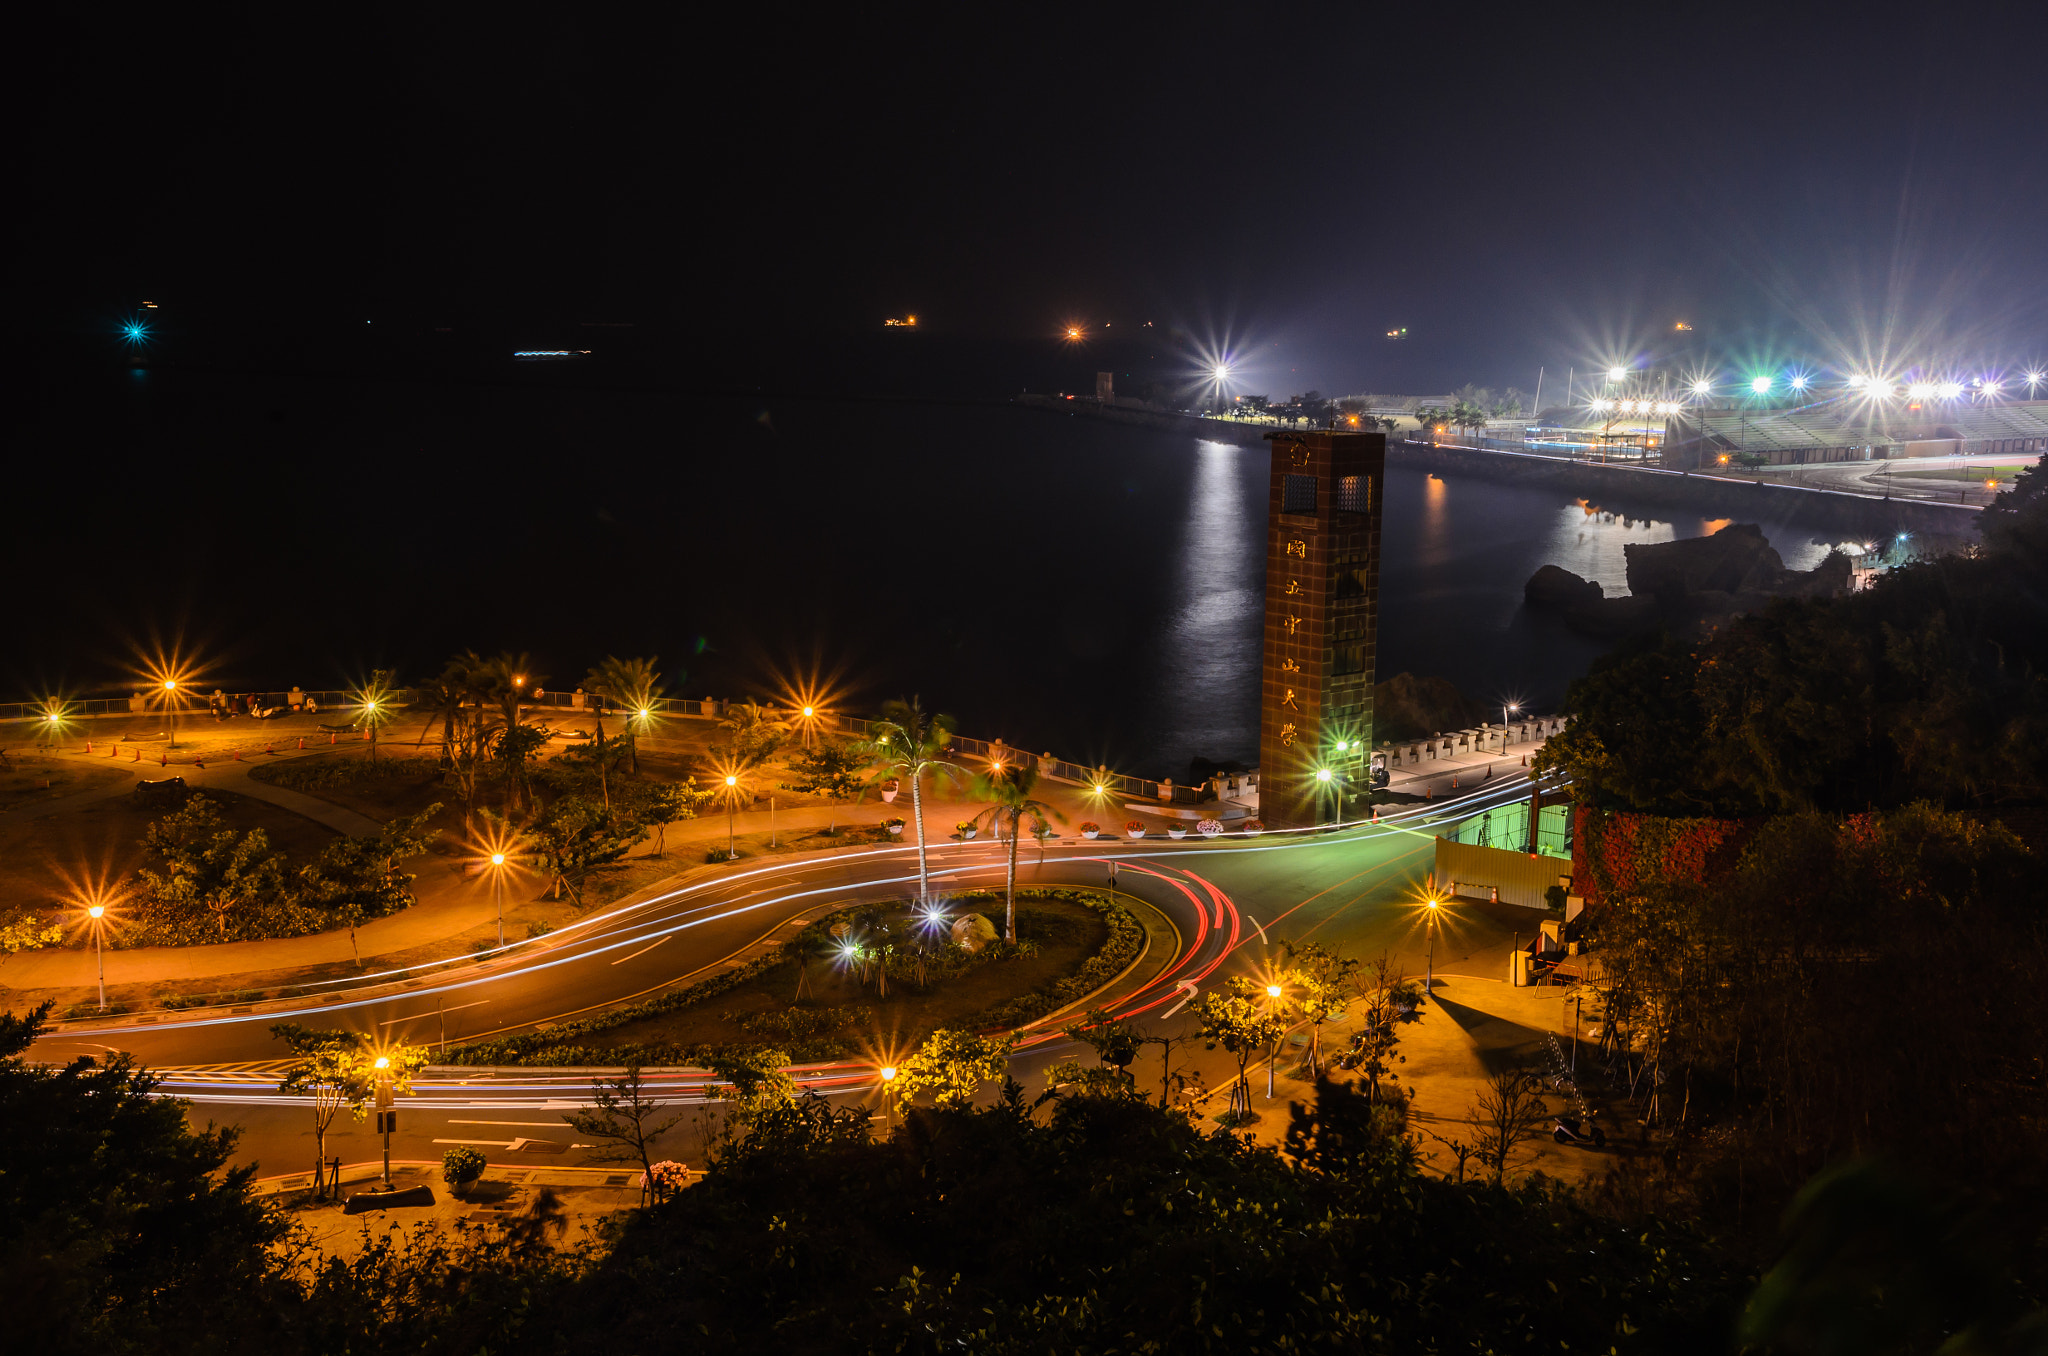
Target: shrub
[461, 1166]
[534, 930]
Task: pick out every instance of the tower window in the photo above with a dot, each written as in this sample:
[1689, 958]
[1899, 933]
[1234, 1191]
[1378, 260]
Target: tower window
[1354, 494]
[1298, 494]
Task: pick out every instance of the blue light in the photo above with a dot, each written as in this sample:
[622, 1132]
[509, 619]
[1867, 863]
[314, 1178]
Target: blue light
[135, 332]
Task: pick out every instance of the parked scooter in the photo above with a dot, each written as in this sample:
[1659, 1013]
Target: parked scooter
[1567, 1131]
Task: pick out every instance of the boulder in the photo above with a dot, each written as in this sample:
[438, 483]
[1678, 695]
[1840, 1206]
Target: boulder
[1555, 586]
[1408, 707]
[973, 931]
[1733, 559]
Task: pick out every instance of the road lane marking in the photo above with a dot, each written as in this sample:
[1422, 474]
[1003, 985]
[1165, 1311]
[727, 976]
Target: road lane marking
[641, 952]
[545, 1125]
[437, 1012]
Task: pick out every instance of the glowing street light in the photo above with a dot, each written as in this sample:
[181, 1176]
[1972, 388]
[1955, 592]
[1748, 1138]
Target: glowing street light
[171, 701]
[97, 913]
[1273, 992]
[498, 893]
[1431, 904]
[732, 795]
[385, 1115]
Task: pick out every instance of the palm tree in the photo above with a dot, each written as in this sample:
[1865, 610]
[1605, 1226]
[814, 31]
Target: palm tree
[632, 684]
[906, 743]
[1010, 788]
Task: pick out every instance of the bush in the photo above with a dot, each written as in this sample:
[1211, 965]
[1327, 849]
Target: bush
[462, 1166]
[343, 773]
[534, 930]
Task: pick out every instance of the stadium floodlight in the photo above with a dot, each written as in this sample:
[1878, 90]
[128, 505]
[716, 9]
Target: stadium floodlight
[1702, 387]
[1991, 387]
[1920, 390]
[1859, 381]
[1760, 385]
[1949, 390]
[2033, 379]
[1617, 374]
[1799, 383]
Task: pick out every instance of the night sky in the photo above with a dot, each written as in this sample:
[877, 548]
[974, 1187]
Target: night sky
[1517, 186]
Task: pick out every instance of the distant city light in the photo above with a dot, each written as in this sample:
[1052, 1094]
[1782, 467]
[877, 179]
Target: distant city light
[1073, 332]
[1760, 385]
[1222, 372]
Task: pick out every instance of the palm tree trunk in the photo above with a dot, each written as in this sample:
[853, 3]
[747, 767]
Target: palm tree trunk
[924, 880]
[1010, 888]
[603, 782]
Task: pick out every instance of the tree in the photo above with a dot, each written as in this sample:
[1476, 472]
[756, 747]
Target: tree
[337, 1070]
[204, 865]
[1010, 787]
[906, 744]
[357, 879]
[1116, 1044]
[1384, 994]
[26, 931]
[832, 768]
[627, 1119]
[756, 1078]
[1507, 1114]
[122, 1231]
[1242, 1021]
[575, 834]
[666, 802]
[629, 683]
[1324, 983]
[503, 682]
[753, 733]
[952, 1066]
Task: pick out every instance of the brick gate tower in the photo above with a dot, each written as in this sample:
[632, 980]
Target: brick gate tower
[1322, 621]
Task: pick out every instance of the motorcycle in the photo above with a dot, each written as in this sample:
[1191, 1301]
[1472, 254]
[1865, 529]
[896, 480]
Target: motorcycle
[1567, 1131]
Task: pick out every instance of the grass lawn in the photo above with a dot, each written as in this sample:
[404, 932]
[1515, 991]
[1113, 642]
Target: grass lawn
[29, 779]
[1067, 935]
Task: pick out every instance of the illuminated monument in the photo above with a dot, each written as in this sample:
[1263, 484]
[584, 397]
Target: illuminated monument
[1322, 622]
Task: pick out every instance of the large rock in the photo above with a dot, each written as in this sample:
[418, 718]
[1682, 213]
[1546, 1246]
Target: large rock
[1555, 586]
[1731, 560]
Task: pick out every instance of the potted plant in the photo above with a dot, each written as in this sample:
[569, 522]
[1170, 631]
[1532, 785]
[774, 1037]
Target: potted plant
[461, 1167]
[1253, 828]
[1176, 831]
[1209, 828]
[1090, 829]
[965, 828]
[893, 825]
[1134, 828]
[889, 789]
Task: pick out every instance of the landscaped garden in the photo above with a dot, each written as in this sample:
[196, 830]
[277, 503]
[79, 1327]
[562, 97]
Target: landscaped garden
[874, 978]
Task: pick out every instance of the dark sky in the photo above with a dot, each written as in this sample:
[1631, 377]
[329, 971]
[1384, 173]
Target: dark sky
[1518, 185]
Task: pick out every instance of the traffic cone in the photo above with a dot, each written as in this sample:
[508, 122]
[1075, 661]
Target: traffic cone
[302, 743]
[1428, 794]
[366, 736]
[88, 746]
[163, 760]
[138, 754]
[330, 738]
[1454, 783]
[238, 755]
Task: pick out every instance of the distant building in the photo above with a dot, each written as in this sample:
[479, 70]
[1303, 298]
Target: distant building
[1322, 623]
[1857, 430]
[1105, 386]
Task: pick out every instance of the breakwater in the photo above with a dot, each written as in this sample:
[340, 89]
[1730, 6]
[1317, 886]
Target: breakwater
[1853, 514]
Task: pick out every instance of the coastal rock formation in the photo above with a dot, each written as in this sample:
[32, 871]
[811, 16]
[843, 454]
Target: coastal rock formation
[1686, 585]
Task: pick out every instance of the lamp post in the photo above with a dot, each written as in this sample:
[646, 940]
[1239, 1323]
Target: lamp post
[1505, 711]
[98, 911]
[498, 893]
[888, 1077]
[1429, 965]
[732, 793]
[384, 1113]
[1323, 779]
[171, 702]
[1273, 1052]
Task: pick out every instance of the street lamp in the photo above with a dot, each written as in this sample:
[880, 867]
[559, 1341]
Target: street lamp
[97, 912]
[171, 701]
[1429, 927]
[498, 893]
[732, 795]
[384, 1112]
[1273, 1055]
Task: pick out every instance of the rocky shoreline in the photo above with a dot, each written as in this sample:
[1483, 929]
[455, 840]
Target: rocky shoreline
[1688, 585]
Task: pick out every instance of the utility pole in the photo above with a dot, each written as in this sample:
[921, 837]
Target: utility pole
[387, 1118]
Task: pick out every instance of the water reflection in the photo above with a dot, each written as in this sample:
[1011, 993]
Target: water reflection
[1210, 651]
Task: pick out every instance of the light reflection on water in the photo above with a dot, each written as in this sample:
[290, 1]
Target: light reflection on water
[1211, 640]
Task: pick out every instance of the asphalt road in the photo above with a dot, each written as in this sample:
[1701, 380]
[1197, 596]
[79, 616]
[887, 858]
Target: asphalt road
[1231, 904]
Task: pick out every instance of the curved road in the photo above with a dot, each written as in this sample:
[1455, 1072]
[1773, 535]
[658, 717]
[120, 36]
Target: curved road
[1230, 902]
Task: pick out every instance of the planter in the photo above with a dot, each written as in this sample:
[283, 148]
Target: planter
[888, 795]
[1253, 828]
[1135, 833]
[967, 833]
[1176, 833]
[896, 829]
[1209, 828]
